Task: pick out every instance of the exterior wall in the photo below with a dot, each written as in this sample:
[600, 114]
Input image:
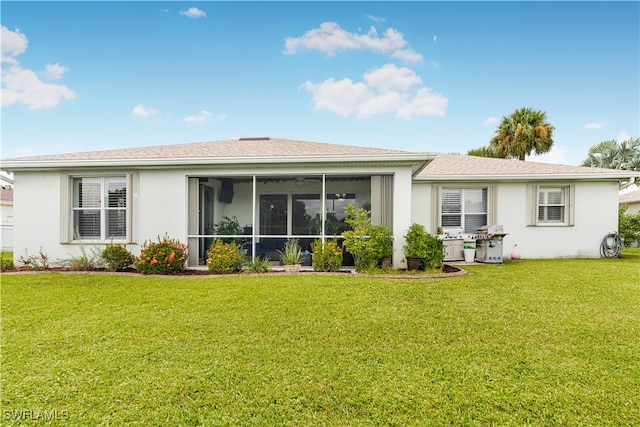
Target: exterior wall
[36, 206]
[402, 201]
[596, 215]
[160, 204]
[421, 211]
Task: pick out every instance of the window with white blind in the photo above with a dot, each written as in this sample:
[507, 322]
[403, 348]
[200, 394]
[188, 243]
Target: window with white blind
[464, 207]
[100, 208]
[552, 205]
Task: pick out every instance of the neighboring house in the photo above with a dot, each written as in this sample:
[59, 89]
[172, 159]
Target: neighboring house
[6, 218]
[279, 189]
[632, 199]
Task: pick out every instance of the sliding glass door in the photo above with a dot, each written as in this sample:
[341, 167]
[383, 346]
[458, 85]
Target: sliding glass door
[273, 214]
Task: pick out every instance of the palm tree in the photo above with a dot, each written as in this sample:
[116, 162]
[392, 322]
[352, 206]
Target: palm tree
[612, 154]
[523, 132]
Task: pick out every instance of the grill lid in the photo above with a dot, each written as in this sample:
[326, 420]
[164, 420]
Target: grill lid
[492, 230]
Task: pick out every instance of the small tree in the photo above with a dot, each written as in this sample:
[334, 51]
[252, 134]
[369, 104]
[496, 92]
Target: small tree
[367, 242]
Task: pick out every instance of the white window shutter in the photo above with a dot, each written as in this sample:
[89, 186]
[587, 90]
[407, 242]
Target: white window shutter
[532, 205]
[492, 205]
[572, 201]
[436, 197]
[65, 208]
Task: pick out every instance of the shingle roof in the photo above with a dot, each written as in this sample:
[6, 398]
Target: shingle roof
[470, 167]
[264, 150]
[6, 194]
[633, 196]
[234, 148]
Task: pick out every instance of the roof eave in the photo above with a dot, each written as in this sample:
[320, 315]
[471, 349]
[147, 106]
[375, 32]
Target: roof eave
[526, 177]
[418, 159]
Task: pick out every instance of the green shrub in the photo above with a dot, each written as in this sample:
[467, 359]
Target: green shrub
[224, 258]
[628, 225]
[6, 260]
[117, 257]
[327, 257]
[166, 256]
[258, 265]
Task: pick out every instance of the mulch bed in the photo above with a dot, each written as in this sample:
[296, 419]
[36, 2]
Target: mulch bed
[448, 271]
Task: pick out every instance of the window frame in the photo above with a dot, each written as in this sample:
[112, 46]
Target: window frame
[463, 208]
[69, 208]
[567, 192]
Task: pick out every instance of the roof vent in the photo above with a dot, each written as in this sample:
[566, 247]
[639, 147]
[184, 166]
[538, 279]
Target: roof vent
[254, 138]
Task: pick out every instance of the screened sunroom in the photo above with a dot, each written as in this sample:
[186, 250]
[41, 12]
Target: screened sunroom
[261, 212]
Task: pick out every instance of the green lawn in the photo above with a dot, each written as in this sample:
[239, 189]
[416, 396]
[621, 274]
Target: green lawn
[542, 342]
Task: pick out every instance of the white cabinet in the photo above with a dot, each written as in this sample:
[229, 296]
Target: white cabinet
[453, 249]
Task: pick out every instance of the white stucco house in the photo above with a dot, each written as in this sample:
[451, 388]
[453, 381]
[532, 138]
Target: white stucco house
[279, 189]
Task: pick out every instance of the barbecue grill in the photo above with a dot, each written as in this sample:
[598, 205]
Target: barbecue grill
[489, 244]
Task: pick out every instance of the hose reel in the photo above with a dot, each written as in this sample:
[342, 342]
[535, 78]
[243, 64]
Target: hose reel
[611, 246]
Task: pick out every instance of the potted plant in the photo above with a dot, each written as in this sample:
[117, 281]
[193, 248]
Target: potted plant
[291, 257]
[381, 243]
[229, 226]
[421, 249]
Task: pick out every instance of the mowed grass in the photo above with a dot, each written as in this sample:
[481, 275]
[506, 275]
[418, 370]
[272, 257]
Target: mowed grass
[541, 342]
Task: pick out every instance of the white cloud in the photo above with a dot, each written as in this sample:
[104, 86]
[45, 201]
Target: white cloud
[425, 103]
[24, 86]
[55, 71]
[490, 121]
[391, 77]
[341, 97]
[594, 125]
[376, 19]
[330, 38]
[193, 12]
[623, 136]
[13, 44]
[201, 117]
[386, 90]
[142, 111]
[407, 55]
[435, 39]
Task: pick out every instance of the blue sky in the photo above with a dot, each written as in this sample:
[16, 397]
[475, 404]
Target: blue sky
[418, 76]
